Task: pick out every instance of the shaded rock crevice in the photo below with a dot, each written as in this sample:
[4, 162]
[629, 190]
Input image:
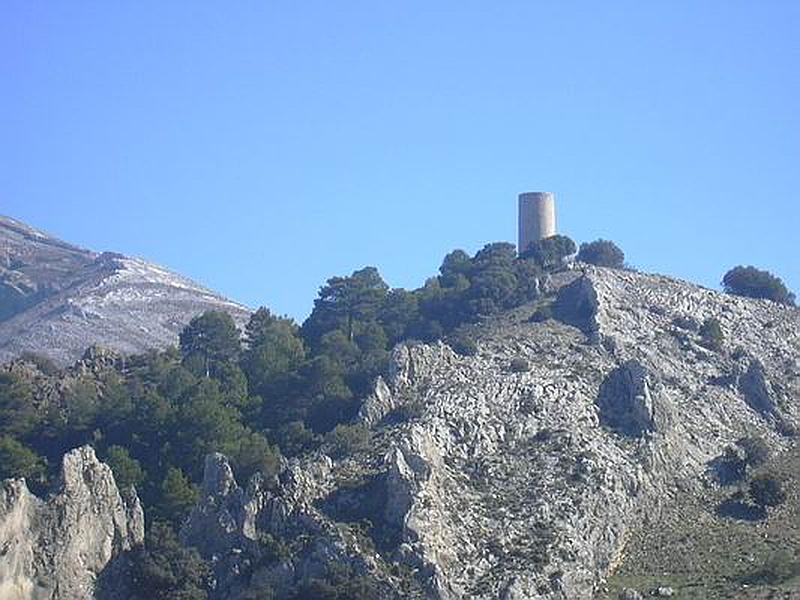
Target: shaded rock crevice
[626, 403]
[577, 304]
[757, 390]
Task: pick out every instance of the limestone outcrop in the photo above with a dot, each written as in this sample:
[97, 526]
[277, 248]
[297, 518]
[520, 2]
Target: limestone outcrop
[55, 549]
[486, 482]
[271, 534]
[625, 403]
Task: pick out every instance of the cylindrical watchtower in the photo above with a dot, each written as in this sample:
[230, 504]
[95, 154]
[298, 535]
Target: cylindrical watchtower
[537, 218]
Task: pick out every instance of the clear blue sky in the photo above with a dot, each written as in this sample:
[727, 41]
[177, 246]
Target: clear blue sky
[261, 147]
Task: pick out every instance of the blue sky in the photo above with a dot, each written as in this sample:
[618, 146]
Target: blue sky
[262, 147]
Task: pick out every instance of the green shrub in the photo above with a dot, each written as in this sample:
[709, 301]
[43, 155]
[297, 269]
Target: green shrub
[127, 471]
[603, 253]
[463, 345]
[163, 568]
[407, 412]
[255, 454]
[686, 323]
[294, 438]
[767, 491]
[345, 440]
[17, 460]
[756, 451]
[41, 362]
[275, 549]
[543, 313]
[178, 496]
[781, 566]
[755, 283]
[711, 335]
[519, 365]
[550, 253]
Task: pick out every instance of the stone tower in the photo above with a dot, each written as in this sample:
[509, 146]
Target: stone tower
[537, 218]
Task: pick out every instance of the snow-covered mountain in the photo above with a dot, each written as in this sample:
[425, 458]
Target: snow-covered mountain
[57, 299]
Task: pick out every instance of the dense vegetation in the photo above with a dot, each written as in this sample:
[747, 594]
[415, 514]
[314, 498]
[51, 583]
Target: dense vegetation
[551, 252]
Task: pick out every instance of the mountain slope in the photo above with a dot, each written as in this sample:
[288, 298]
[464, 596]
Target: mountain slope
[522, 471]
[57, 299]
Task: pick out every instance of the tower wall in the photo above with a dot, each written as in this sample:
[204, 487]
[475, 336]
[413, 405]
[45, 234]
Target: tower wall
[537, 218]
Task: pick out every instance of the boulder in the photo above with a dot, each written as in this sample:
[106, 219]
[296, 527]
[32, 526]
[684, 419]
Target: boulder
[625, 401]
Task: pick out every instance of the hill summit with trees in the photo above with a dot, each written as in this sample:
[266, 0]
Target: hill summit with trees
[523, 409]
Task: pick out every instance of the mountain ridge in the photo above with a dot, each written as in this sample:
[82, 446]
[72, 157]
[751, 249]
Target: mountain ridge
[58, 299]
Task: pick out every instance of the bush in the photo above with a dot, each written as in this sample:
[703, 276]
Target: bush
[754, 283]
[711, 335]
[127, 471]
[756, 451]
[178, 496]
[603, 253]
[17, 460]
[766, 491]
[542, 314]
[345, 440]
[294, 438]
[748, 453]
[406, 412]
[41, 362]
[275, 549]
[779, 567]
[550, 253]
[340, 583]
[165, 569]
[463, 345]
[686, 323]
[256, 454]
[519, 365]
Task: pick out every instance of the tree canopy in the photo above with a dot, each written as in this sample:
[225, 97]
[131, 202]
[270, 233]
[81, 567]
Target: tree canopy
[603, 253]
[550, 253]
[209, 341]
[755, 283]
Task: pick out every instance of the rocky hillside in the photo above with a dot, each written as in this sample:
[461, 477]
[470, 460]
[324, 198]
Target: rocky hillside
[57, 299]
[531, 467]
[59, 547]
[522, 471]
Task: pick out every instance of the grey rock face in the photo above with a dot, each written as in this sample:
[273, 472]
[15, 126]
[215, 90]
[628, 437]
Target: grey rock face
[58, 299]
[378, 404]
[625, 402]
[55, 549]
[577, 305]
[756, 390]
[270, 534]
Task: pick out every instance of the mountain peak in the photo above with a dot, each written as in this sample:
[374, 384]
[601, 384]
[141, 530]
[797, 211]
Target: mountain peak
[57, 299]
